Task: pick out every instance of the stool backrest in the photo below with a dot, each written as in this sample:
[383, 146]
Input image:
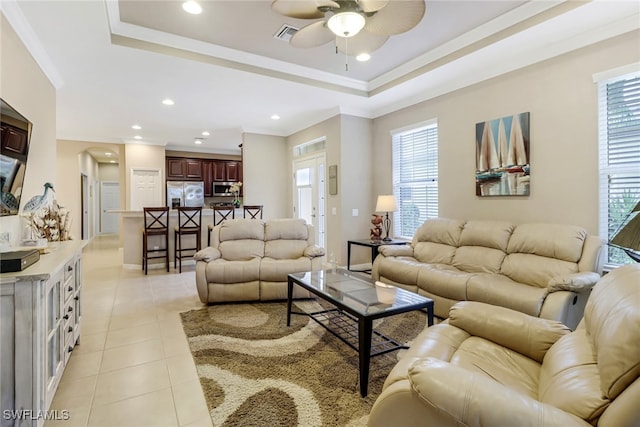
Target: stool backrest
[189, 217]
[253, 211]
[222, 213]
[156, 219]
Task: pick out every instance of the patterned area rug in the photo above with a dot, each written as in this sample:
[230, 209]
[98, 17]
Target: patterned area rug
[256, 371]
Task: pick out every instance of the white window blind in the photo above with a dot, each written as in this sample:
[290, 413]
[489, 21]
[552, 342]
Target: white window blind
[415, 178]
[619, 136]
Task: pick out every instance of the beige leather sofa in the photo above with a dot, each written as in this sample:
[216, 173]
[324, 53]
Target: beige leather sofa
[545, 270]
[494, 367]
[249, 259]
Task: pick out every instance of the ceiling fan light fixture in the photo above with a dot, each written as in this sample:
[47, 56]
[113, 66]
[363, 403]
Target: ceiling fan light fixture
[346, 24]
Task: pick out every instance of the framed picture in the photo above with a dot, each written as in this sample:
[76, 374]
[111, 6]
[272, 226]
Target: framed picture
[502, 156]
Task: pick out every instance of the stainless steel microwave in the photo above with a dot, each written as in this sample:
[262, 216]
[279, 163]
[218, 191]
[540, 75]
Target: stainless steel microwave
[222, 188]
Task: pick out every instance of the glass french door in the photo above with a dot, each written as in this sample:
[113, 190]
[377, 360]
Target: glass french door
[309, 194]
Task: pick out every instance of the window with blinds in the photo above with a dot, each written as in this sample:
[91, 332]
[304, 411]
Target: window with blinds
[619, 135]
[415, 177]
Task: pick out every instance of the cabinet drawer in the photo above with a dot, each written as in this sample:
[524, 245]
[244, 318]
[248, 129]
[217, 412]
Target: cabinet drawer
[69, 269]
[69, 289]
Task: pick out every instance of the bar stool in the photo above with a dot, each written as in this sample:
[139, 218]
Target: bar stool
[253, 211]
[156, 223]
[220, 214]
[189, 220]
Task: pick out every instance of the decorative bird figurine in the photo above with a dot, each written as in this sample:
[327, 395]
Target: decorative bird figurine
[37, 202]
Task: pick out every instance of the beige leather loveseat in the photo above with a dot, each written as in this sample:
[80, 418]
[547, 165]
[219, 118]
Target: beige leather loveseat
[249, 259]
[545, 270]
[494, 367]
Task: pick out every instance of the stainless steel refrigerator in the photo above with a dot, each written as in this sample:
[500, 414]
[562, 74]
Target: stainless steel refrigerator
[185, 193]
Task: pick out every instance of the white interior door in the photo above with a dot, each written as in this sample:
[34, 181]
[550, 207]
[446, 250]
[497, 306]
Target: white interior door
[146, 189]
[84, 184]
[309, 194]
[109, 201]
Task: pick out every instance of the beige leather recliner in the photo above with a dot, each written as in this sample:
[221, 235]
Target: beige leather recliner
[494, 367]
[249, 259]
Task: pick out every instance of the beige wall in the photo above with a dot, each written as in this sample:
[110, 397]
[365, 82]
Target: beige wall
[72, 161]
[265, 175]
[109, 172]
[562, 98]
[348, 145]
[142, 156]
[26, 88]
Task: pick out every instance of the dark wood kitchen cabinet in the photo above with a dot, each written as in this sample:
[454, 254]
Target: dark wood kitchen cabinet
[14, 142]
[184, 169]
[227, 171]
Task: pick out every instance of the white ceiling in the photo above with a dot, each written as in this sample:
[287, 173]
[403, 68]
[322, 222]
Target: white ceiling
[113, 62]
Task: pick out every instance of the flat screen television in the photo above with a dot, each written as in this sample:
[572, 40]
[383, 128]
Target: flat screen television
[16, 134]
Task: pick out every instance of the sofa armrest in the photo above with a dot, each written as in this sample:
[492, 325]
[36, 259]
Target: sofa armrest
[577, 282]
[313, 251]
[527, 335]
[474, 399]
[207, 254]
[396, 250]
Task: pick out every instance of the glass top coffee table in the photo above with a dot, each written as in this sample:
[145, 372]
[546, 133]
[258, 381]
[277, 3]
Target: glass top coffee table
[357, 303]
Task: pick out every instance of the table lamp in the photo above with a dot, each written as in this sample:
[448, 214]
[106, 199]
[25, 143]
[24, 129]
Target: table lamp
[386, 203]
[627, 237]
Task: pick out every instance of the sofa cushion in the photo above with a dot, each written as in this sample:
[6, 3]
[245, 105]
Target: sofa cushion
[437, 253]
[563, 242]
[241, 250]
[400, 269]
[439, 230]
[276, 270]
[500, 290]
[569, 378]
[224, 271]
[284, 249]
[286, 229]
[478, 259]
[489, 234]
[535, 270]
[612, 320]
[444, 280]
[241, 229]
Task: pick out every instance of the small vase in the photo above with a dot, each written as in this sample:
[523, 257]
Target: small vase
[236, 203]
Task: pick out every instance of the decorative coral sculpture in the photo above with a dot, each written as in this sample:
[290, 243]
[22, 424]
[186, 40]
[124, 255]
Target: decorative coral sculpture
[376, 231]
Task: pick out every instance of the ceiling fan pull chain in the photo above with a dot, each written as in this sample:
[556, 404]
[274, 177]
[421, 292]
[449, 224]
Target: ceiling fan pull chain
[346, 57]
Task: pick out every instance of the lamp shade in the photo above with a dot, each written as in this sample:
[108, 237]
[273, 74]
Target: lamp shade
[346, 24]
[386, 203]
[628, 236]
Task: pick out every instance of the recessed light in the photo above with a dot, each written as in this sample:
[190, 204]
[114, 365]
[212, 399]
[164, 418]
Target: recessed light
[363, 57]
[112, 161]
[167, 101]
[136, 127]
[192, 7]
[137, 137]
[205, 133]
[197, 141]
[108, 154]
[275, 117]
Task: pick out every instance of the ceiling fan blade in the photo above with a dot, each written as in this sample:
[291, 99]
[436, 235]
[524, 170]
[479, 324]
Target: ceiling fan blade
[363, 42]
[312, 35]
[396, 17]
[372, 5]
[303, 9]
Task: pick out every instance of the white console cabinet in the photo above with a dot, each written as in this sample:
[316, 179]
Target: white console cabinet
[40, 317]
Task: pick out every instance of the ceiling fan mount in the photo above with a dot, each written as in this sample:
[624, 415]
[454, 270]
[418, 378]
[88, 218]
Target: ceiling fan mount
[366, 23]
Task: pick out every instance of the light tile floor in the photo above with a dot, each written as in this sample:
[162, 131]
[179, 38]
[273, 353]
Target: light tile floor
[132, 366]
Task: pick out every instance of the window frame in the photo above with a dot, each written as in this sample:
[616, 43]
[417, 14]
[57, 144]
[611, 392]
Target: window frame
[609, 220]
[401, 218]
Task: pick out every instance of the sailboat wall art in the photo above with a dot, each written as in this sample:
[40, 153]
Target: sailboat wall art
[502, 156]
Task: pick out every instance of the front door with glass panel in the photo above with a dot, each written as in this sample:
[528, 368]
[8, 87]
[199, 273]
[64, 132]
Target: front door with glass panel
[309, 194]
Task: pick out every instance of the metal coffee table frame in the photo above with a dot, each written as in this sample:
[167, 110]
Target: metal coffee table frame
[353, 326]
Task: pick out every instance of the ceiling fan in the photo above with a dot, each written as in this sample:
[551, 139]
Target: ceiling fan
[358, 26]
